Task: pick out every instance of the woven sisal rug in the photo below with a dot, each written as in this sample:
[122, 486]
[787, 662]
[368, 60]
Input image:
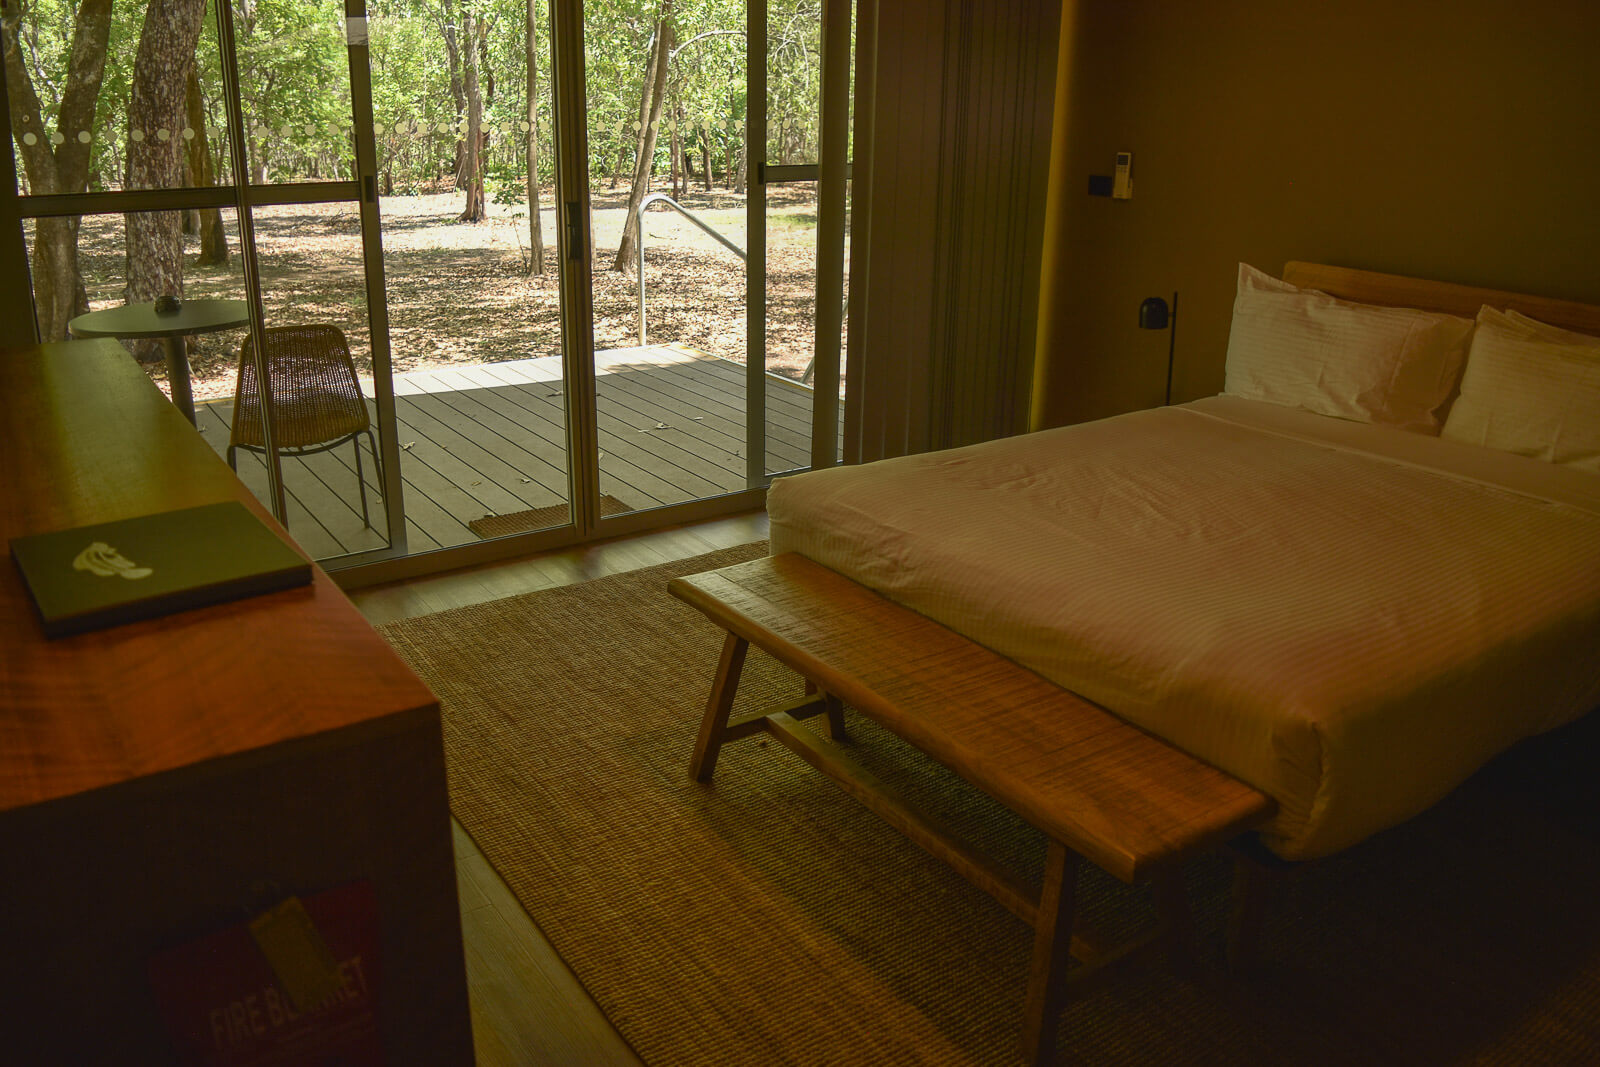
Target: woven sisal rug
[768, 919]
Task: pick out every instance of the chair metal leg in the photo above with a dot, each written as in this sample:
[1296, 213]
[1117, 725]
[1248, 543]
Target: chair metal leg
[377, 461]
[361, 482]
[233, 460]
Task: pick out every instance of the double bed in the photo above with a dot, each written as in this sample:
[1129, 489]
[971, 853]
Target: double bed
[1350, 580]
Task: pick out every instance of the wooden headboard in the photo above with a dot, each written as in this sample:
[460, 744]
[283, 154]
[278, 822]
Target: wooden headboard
[1369, 287]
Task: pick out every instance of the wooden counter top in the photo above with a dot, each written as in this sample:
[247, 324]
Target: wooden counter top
[163, 781]
[86, 437]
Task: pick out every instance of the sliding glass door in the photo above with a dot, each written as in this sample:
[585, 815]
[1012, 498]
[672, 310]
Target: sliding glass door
[667, 109]
[488, 275]
[463, 124]
[561, 371]
[317, 358]
[703, 265]
[192, 183]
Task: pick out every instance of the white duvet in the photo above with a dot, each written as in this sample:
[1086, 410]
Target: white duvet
[1348, 617]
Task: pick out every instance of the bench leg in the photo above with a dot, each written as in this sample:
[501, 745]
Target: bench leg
[723, 687]
[1177, 922]
[1251, 878]
[1052, 944]
[836, 719]
[835, 713]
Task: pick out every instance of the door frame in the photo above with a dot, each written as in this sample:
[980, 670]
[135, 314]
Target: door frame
[362, 190]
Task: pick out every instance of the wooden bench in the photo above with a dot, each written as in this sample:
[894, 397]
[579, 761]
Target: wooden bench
[1097, 787]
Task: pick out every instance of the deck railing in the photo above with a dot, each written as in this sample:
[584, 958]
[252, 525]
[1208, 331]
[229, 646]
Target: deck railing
[686, 213]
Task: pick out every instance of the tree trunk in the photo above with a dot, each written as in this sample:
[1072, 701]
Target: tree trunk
[675, 153]
[156, 105]
[457, 92]
[213, 237]
[650, 100]
[472, 173]
[58, 293]
[259, 149]
[485, 66]
[535, 226]
[643, 119]
[705, 142]
[57, 283]
[740, 162]
[622, 161]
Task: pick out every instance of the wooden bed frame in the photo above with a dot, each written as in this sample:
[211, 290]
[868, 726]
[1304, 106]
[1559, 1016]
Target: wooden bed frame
[1098, 788]
[1256, 867]
[1370, 287]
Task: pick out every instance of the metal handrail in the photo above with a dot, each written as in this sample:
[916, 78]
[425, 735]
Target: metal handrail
[686, 213]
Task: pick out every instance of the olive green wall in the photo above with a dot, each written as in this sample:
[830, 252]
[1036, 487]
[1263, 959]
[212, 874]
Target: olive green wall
[1454, 140]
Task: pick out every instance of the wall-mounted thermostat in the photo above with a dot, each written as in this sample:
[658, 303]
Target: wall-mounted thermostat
[1122, 183]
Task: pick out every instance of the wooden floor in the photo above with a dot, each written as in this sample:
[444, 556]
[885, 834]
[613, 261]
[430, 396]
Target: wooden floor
[491, 440]
[527, 1006]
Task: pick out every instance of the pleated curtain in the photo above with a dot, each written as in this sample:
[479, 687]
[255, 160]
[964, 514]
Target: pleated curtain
[954, 108]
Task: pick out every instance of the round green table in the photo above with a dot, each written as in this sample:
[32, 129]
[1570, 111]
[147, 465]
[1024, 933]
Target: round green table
[141, 321]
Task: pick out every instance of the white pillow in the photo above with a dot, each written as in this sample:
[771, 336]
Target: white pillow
[1306, 349]
[1532, 389]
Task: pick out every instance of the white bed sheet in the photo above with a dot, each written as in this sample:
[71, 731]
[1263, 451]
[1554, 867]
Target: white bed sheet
[1350, 618]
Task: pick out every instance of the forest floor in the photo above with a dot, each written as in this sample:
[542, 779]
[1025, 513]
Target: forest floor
[460, 294]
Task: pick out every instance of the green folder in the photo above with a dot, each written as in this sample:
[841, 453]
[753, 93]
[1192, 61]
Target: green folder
[92, 577]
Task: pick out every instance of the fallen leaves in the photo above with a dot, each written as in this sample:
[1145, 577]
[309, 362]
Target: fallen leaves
[457, 295]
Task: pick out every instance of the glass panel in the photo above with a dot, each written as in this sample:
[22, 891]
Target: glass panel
[794, 85]
[794, 81]
[849, 216]
[170, 283]
[93, 250]
[313, 296]
[294, 85]
[791, 322]
[194, 350]
[671, 392]
[109, 104]
[844, 323]
[475, 329]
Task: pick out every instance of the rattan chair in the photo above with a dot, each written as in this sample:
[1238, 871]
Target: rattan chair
[316, 399]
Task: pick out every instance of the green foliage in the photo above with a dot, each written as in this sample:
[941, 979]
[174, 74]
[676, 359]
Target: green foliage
[410, 92]
[45, 30]
[294, 79]
[505, 185]
[295, 84]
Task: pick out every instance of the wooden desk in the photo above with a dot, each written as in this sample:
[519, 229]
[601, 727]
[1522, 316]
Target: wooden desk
[154, 776]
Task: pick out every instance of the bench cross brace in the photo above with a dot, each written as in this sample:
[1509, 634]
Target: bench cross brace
[1050, 911]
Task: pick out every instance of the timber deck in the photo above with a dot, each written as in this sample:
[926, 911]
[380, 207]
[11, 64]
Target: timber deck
[491, 440]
